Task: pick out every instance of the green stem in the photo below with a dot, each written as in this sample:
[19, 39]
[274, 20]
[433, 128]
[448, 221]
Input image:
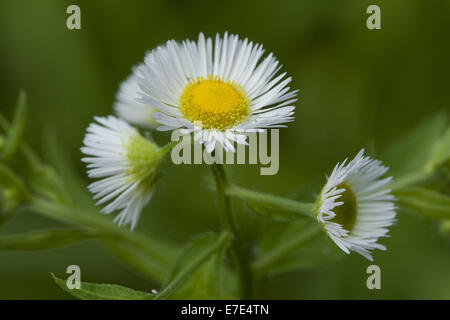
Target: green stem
[181, 278]
[239, 251]
[222, 184]
[304, 209]
[267, 260]
[167, 147]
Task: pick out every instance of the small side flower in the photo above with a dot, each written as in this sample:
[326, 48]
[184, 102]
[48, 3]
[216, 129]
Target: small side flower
[356, 206]
[127, 165]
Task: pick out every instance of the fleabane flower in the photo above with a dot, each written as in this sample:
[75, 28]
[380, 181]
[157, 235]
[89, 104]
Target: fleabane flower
[356, 206]
[129, 108]
[222, 87]
[126, 164]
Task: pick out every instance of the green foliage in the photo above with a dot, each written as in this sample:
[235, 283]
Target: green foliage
[201, 271]
[16, 130]
[318, 251]
[46, 239]
[95, 291]
[191, 261]
[417, 162]
[277, 247]
[161, 253]
[427, 202]
[413, 157]
[58, 156]
[12, 190]
[45, 181]
[440, 151]
[212, 280]
[137, 258]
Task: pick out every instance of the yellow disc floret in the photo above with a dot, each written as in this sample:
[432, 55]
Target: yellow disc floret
[214, 103]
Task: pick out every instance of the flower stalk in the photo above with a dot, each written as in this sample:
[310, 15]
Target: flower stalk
[301, 208]
[239, 250]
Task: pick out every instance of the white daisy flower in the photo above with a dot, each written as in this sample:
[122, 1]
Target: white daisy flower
[356, 206]
[128, 108]
[221, 86]
[126, 164]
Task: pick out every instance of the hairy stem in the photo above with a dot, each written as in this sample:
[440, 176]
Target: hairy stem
[303, 209]
[239, 251]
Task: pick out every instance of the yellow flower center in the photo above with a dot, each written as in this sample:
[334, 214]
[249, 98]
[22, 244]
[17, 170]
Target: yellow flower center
[214, 103]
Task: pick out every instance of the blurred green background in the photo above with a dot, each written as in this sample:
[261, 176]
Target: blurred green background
[358, 87]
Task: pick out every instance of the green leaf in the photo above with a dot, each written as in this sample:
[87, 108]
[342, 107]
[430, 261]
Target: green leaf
[138, 259]
[41, 177]
[95, 291]
[9, 180]
[12, 190]
[161, 252]
[197, 253]
[319, 252]
[45, 181]
[425, 201]
[213, 280]
[58, 157]
[440, 151]
[46, 239]
[279, 243]
[414, 156]
[15, 131]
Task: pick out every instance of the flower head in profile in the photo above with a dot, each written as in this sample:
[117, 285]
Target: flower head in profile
[128, 108]
[356, 206]
[126, 164]
[221, 86]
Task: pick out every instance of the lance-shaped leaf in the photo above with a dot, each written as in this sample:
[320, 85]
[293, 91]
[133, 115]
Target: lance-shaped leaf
[212, 280]
[138, 259]
[15, 131]
[46, 239]
[425, 201]
[70, 177]
[194, 256]
[290, 246]
[12, 193]
[414, 156]
[161, 252]
[440, 151]
[96, 291]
